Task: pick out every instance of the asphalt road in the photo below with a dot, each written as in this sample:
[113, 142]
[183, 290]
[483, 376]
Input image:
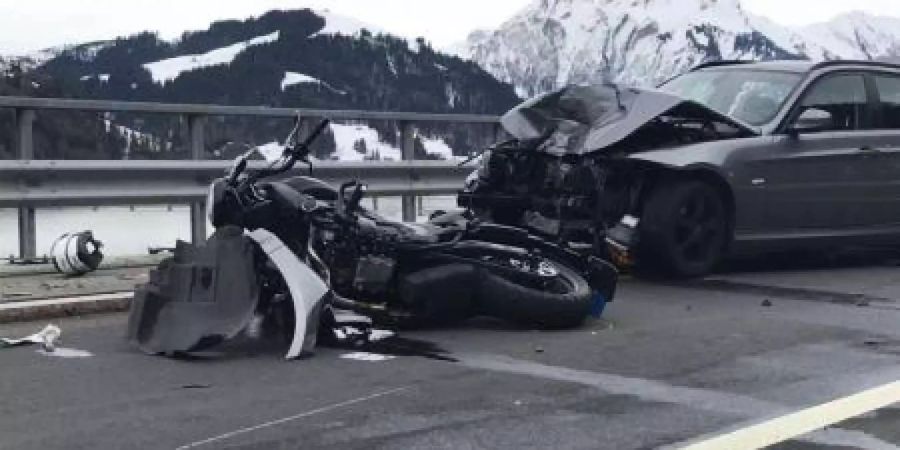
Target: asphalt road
[669, 364]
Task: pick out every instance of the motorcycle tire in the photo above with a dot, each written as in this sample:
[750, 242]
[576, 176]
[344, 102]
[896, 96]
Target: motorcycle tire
[528, 306]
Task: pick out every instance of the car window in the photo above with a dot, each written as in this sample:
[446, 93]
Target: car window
[889, 107]
[844, 97]
[752, 96]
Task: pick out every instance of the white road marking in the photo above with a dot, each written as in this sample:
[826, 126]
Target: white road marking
[67, 300]
[645, 389]
[804, 421]
[291, 418]
[657, 391]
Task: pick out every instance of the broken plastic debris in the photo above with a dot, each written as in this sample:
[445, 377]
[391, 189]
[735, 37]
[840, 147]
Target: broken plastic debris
[377, 334]
[46, 338]
[76, 253]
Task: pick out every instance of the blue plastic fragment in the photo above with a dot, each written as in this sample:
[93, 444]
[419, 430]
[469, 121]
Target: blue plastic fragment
[598, 306]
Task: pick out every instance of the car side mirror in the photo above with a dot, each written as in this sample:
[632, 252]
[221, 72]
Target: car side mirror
[812, 120]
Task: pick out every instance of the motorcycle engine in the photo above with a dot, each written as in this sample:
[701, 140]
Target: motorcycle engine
[361, 264]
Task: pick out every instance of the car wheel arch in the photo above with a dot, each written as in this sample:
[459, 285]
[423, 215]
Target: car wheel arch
[659, 174]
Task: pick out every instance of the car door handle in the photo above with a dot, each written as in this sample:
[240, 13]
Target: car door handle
[869, 149]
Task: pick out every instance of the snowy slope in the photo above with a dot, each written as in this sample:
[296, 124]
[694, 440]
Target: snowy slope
[28, 61]
[857, 35]
[169, 69]
[343, 25]
[295, 78]
[553, 42]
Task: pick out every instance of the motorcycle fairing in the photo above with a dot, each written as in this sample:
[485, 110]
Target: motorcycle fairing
[307, 290]
[200, 297]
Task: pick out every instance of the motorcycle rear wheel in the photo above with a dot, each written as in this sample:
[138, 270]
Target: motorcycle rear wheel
[565, 303]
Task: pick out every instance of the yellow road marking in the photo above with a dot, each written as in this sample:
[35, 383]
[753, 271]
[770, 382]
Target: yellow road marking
[804, 421]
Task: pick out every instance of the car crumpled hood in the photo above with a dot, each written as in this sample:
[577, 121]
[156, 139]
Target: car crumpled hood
[581, 119]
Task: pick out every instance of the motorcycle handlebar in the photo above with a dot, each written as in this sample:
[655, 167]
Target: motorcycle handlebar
[301, 150]
[298, 152]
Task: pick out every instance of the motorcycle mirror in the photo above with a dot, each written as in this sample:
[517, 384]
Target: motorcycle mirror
[240, 164]
[357, 196]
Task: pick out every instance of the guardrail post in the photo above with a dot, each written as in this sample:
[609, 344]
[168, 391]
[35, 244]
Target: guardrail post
[197, 129]
[27, 233]
[25, 150]
[25, 137]
[407, 146]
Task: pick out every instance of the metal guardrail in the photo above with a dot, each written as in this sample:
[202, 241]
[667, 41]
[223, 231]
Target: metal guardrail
[27, 183]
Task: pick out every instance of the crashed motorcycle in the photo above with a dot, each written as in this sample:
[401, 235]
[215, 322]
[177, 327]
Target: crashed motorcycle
[301, 255]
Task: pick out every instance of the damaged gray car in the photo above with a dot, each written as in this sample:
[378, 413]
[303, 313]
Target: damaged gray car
[730, 158]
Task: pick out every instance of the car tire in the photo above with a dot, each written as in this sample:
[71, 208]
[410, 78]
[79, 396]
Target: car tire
[684, 229]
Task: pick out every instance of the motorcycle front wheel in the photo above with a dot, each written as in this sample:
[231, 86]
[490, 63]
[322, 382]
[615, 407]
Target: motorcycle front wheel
[561, 299]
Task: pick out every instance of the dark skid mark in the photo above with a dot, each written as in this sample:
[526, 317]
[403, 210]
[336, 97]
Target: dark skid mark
[400, 346]
[786, 292]
[196, 386]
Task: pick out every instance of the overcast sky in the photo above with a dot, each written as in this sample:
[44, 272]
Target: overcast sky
[27, 25]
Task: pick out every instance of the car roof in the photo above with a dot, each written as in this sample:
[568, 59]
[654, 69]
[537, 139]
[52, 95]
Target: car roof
[795, 66]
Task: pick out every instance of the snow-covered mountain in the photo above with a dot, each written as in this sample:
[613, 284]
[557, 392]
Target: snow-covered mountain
[553, 42]
[293, 59]
[857, 35]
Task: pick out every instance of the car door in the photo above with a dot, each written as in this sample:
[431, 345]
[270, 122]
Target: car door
[814, 180]
[882, 200]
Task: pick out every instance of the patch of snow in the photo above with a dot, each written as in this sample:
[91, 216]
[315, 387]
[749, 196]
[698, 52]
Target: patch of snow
[343, 25]
[293, 78]
[132, 136]
[347, 136]
[452, 95]
[337, 24]
[440, 67]
[437, 146]
[170, 69]
[391, 65]
[271, 151]
[103, 77]
[29, 61]
[857, 35]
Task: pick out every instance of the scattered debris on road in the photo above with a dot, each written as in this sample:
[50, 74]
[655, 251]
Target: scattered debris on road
[46, 338]
[62, 352]
[366, 356]
[76, 254]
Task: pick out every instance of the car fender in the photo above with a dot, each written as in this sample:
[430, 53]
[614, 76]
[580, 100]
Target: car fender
[307, 289]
